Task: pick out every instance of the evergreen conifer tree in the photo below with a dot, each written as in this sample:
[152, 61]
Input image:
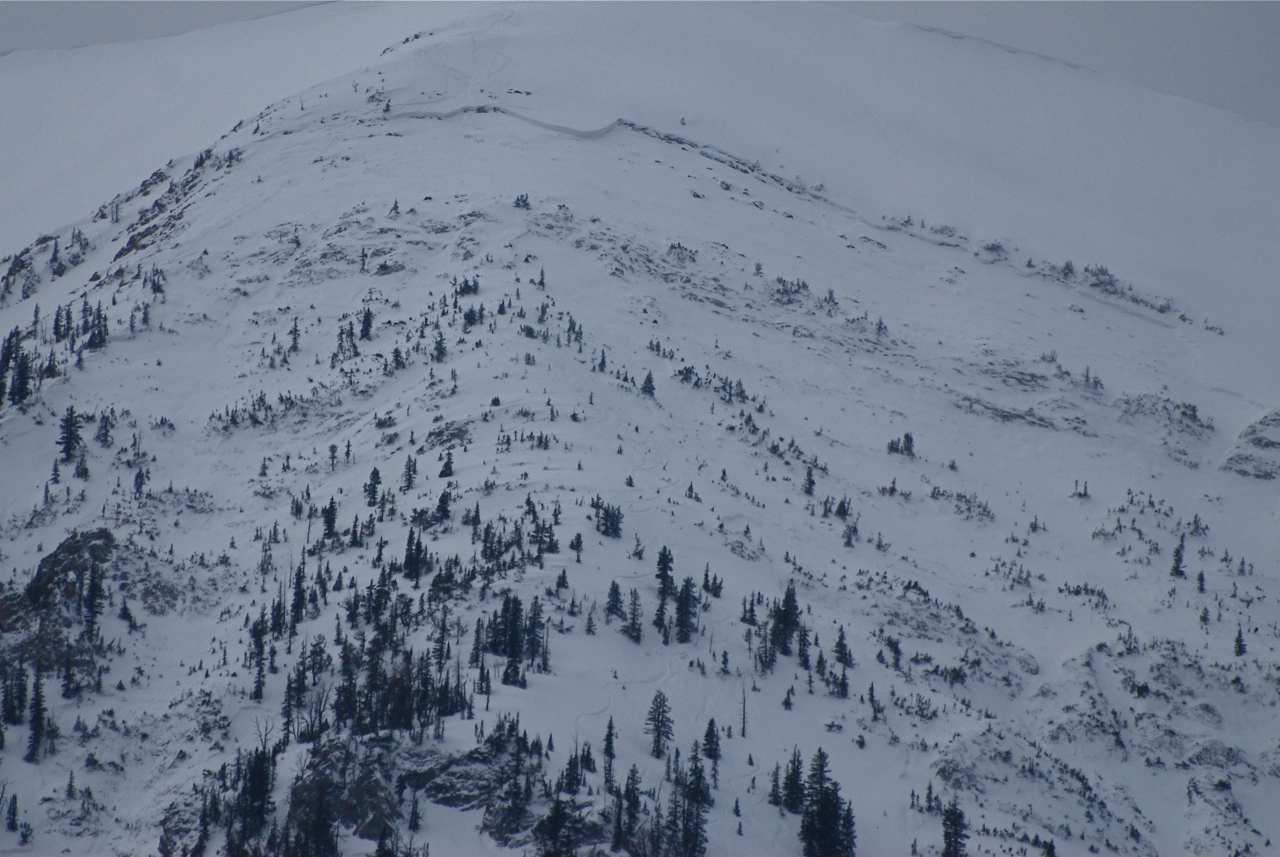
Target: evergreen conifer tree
[793, 783]
[711, 749]
[20, 386]
[1178, 570]
[786, 620]
[666, 583]
[955, 830]
[36, 738]
[775, 790]
[330, 517]
[631, 802]
[69, 439]
[692, 840]
[659, 725]
[826, 826]
[686, 611]
[609, 754]
[410, 476]
[613, 602]
[841, 650]
[633, 629]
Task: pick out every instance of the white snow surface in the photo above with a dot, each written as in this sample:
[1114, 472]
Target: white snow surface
[82, 123]
[740, 193]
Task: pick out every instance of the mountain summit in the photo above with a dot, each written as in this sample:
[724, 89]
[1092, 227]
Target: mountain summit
[607, 403]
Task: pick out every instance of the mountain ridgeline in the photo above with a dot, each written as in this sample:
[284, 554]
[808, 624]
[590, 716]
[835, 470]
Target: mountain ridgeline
[727, 519]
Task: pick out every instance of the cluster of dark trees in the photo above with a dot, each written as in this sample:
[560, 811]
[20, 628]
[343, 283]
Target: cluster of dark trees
[608, 518]
[905, 446]
[687, 598]
[520, 636]
[826, 819]
[23, 371]
[632, 617]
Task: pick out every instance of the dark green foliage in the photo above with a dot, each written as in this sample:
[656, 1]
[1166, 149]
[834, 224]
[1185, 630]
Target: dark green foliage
[608, 518]
[711, 741]
[329, 515]
[647, 388]
[609, 754]
[14, 678]
[955, 830]
[906, 446]
[97, 329]
[409, 477]
[690, 800]
[793, 783]
[561, 830]
[10, 348]
[827, 824]
[35, 743]
[1178, 569]
[366, 324]
[23, 374]
[659, 725]
[786, 621]
[613, 603]
[775, 790]
[841, 652]
[69, 440]
[686, 619]
[1239, 647]
[312, 821]
[253, 804]
[633, 629]
[666, 583]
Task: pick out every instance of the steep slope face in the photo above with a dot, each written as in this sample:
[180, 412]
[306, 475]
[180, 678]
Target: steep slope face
[88, 122]
[888, 118]
[377, 401]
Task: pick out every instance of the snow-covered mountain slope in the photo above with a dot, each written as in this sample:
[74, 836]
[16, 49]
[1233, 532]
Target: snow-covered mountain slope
[979, 465]
[81, 124]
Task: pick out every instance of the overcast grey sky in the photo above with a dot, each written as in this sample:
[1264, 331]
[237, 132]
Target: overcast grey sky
[75, 23]
[1226, 54]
